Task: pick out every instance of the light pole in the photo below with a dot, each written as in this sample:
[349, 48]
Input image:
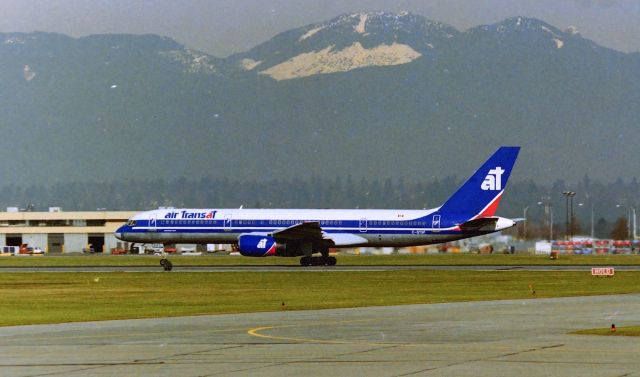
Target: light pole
[630, 210]
[592, 219]
[634, 229]
[550, 221]
[569, 195]
[628, 224]
[548, 213]
[524, 224]
[592, 232]
[633, 210]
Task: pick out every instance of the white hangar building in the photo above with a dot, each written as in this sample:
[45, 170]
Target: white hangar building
[58, 231]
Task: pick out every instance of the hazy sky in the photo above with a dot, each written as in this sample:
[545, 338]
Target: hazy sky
[222, 27]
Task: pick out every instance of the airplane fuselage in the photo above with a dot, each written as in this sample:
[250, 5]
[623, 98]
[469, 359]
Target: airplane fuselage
[377, 228]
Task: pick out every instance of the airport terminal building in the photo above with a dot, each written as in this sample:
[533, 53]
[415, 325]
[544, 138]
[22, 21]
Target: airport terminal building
[57, 231]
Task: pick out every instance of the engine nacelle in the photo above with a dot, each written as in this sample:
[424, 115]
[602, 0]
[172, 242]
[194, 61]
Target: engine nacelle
[258, 245]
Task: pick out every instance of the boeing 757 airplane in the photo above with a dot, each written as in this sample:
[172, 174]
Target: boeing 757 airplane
[469, 212]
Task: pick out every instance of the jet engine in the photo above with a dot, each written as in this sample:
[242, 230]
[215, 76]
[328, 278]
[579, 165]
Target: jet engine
[259, 245]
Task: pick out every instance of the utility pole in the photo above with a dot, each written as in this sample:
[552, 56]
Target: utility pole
[569, 232]
[548, 214]
[524, 224]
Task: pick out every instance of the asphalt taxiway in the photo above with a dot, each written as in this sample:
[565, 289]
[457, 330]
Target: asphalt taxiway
[490, 338]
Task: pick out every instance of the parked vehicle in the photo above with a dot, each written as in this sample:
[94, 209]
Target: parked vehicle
[188, 249]
[155, 248]
[26, 249]
[23, 249]
[11, 250]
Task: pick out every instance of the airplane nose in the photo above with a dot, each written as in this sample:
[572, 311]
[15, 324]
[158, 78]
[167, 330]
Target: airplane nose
[119, 232]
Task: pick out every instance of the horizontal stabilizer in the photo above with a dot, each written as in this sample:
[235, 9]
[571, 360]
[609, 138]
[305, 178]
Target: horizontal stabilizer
[480, 223]
[487, 224]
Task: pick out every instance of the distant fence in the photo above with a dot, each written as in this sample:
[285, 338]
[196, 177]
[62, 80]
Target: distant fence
[593, 247]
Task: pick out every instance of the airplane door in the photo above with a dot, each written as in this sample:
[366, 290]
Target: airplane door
[228, 220]
[152, 223]
[363, 225]
[435, 224]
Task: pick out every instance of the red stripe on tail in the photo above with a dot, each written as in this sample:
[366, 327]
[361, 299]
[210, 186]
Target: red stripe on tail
[490, 209]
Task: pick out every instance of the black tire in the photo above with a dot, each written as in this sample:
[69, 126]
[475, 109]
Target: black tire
[168, 266]
[305, 261]
[332, 261]
[163, 262]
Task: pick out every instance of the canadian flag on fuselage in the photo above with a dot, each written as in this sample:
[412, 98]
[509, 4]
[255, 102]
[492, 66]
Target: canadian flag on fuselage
[480, 195]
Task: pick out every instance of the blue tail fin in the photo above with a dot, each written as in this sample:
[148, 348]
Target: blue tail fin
[480, 195]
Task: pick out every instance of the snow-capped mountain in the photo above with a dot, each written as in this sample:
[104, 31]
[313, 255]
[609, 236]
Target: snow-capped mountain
[345, 43]
[378, 39]
[521, 32]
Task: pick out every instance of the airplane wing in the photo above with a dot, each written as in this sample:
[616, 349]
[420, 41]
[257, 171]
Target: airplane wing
[311, 231]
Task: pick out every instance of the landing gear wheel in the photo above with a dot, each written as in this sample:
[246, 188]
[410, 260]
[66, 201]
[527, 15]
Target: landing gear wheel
[166, 264]
[318, 261]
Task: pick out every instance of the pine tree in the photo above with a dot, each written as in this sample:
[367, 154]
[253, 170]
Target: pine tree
[620, 229]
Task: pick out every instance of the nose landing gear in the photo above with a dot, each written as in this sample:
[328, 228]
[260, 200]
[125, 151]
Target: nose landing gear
[166, 264]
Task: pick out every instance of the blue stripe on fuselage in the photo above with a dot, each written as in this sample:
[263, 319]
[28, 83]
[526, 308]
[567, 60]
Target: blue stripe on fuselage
[350, 227]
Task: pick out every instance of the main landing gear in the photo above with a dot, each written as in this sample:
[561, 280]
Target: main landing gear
[318, 261]
[166, 264]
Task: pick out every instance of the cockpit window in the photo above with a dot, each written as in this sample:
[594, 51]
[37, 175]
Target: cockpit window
[131, 223]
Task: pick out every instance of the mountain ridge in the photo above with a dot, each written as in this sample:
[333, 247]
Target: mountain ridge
[147, 106]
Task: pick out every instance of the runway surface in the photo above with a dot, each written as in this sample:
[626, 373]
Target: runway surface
[289, 268]
[494, 338]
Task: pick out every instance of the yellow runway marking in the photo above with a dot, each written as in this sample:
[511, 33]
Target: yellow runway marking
[257, 332]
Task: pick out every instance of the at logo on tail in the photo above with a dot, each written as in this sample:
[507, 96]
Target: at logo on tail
[493, 180]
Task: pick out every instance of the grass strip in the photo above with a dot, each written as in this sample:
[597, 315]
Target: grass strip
[366, 260]
[620, 331]
[28, 298]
